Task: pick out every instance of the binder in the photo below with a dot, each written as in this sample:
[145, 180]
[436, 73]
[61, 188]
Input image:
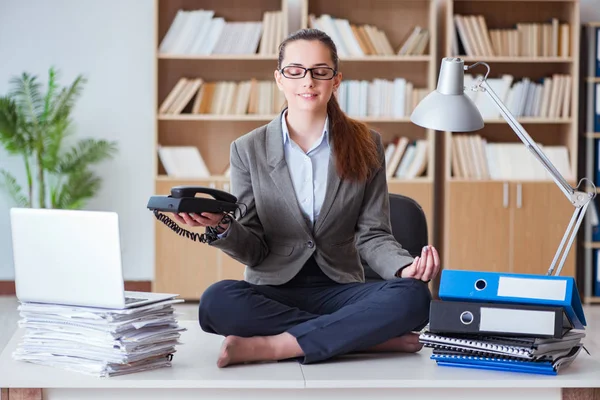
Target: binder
[597, 52]
[502, 364]
[518, 348]
[507, 288]
[596, 158]
[500, 319]
[593, 210]
[597, 107]
[597, 273]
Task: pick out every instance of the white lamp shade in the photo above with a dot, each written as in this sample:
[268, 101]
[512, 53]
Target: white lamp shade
[448, 108]
[444, 112]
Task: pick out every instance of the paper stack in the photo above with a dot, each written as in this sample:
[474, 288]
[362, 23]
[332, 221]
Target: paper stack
[98, 341]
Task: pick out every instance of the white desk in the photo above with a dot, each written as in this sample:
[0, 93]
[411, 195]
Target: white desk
[384, 376]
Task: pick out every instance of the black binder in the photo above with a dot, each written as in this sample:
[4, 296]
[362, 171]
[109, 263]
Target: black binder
[498, 319]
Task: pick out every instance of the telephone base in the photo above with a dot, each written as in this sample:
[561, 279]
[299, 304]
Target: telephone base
[195, 205]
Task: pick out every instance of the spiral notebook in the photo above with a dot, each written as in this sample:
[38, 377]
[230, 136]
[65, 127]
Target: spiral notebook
[507, 364]
[520, 348]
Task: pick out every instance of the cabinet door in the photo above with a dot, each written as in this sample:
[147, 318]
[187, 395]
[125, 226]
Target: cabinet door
[182, 266]
[228, 267]
[541, 214]
[477, 230]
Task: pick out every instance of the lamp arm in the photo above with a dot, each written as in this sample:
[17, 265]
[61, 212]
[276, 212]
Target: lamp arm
[580, 200]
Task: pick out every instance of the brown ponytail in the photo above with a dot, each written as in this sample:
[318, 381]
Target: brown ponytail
[354, 147]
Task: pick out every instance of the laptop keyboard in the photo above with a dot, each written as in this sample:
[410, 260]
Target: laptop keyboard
[129, 300]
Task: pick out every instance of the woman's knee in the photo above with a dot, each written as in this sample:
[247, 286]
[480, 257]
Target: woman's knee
[414, 297]
[215, 303]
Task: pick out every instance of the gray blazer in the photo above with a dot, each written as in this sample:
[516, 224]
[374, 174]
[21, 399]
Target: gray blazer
[274, 240]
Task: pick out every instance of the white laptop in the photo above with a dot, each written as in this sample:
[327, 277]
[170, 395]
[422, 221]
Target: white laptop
[71, 257]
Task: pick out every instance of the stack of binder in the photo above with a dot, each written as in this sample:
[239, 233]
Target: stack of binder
[96, 341]
[508, 322]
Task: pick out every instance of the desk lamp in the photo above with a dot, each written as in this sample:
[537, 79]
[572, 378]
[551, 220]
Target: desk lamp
[448, 109]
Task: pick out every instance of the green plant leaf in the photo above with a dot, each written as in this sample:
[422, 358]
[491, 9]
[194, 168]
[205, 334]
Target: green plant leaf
[50, 97]
[77, 189]
[53, 140]
[65, 100]
[9, 182]
[11, 136]
[87, 151]
[26, 91]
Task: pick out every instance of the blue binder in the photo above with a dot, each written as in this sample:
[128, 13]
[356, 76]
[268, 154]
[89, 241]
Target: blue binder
[597, 272]
[542, 368]
[596, 160]
[597, 108]
[500, 287]
[597, 55]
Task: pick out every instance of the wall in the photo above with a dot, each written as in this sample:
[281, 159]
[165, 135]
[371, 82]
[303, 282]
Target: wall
[590, 10]
[111, 42]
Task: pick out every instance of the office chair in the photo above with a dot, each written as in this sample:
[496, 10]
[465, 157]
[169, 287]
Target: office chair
[409, 227]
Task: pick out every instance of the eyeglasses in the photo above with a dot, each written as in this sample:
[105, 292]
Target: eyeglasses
[320, 73]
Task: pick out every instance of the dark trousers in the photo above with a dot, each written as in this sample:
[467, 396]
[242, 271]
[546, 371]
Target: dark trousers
[327, 318]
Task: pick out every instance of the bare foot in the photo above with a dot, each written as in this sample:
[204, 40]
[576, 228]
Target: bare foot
[237, 350]
[408, 343]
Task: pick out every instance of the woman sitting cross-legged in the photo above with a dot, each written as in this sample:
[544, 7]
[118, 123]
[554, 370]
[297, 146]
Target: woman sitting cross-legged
[314, 184]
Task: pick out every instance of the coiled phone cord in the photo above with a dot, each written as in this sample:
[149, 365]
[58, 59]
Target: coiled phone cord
[211, 232]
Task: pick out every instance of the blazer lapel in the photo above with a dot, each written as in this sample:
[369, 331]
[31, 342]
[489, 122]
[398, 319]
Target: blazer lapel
[333, 184]
[280, 172]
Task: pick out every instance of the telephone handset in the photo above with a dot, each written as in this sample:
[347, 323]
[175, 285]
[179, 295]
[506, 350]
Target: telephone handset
[183, 200]
[192, 191]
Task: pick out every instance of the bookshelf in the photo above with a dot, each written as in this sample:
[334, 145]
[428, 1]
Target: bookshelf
[590, 132]
[500, 212]
[188, 268]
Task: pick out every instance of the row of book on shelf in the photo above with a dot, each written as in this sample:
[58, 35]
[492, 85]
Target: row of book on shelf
[502, 326]
[473, 38]
[200, 32]
[223, 97]
[379, 98]
[406, 159]
[353, 40]
[548, 97]
[472, 157]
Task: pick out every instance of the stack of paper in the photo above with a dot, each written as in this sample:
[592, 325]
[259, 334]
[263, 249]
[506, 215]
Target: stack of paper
[98, 341]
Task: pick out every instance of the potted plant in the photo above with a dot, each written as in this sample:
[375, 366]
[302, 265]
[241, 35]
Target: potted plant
[34, 125]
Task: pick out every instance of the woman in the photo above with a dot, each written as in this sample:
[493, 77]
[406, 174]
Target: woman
[314, 184]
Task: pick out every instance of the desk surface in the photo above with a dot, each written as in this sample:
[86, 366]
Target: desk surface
[194, 366]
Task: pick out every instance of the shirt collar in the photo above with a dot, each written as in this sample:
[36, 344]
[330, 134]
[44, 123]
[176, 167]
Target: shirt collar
[286, 134]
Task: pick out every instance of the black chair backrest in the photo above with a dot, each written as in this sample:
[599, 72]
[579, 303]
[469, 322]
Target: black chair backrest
[409, 225]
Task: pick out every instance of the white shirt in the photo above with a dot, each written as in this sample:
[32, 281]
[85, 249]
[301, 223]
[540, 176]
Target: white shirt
[308, 171]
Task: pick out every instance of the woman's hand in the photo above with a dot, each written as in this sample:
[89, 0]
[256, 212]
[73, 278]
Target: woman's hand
[425, 267]
[204, 219]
